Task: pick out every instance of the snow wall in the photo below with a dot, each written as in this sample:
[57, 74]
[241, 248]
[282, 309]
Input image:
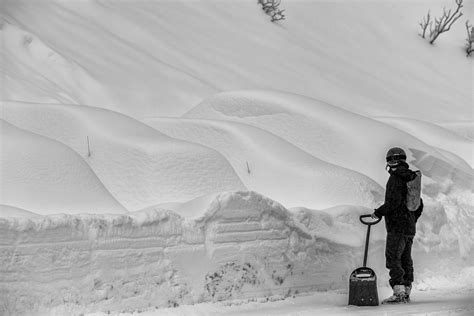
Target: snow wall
[243, 246]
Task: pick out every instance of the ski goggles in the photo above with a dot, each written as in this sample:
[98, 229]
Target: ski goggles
[393, 163]
[396, 158]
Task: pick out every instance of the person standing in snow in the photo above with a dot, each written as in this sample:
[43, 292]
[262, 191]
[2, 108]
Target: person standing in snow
[400, 224]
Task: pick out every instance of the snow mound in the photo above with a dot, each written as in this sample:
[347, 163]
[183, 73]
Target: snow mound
[192, 209]
[140, 166]
[339, 224]
[44, 176]
[273, 167]
[323, 130]
[10, 211]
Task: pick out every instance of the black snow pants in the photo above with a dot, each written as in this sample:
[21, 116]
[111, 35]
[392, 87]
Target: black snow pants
[398, 258]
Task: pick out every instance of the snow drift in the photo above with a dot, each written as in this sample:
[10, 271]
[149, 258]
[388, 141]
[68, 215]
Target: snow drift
[45, 177]
[262, 160]
[326, 131]
[140, 166]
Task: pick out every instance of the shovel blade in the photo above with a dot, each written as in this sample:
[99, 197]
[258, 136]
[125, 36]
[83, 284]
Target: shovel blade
[363, 287]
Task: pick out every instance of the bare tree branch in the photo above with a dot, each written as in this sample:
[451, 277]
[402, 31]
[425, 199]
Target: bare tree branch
[444, 23]
[270, 7]
[469, 39]
[278, 15]
[425, 23]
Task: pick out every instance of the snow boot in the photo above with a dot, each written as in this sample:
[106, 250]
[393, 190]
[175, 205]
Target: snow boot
[407, 293]
[397, 297]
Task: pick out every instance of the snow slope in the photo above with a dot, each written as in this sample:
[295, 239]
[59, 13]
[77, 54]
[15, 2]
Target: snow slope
[139, 166]
[262, 160]
[43, 176]
[166, 56]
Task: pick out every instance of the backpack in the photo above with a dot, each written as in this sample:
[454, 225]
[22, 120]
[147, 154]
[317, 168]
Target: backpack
[414, 192]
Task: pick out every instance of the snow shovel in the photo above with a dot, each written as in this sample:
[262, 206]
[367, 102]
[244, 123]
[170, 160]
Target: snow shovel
[363, 281]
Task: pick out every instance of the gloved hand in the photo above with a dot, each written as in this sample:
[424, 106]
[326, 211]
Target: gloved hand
[373, 216]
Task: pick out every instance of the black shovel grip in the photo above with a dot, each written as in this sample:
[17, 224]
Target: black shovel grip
[368, 223]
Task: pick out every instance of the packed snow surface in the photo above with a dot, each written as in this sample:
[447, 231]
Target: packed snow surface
[194, 158]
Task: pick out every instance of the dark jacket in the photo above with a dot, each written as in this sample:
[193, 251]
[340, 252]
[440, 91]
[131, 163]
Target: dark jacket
[398, 219]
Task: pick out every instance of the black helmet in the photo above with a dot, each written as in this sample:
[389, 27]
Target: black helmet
[395, 155]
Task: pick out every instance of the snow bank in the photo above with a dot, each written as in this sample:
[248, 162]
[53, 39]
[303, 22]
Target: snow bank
[243, 245]
[140, 166]
[43, 176]
[262, 160]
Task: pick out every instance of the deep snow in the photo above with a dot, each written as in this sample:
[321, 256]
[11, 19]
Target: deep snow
[196, 156]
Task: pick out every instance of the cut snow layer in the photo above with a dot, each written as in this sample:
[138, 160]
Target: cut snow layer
[241, 246]
[271, 166]
[323, 130]
[140, 166]
[43, 176]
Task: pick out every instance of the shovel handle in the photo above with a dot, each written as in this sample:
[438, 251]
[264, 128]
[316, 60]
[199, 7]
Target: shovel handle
[368, 234]
[368, 223]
